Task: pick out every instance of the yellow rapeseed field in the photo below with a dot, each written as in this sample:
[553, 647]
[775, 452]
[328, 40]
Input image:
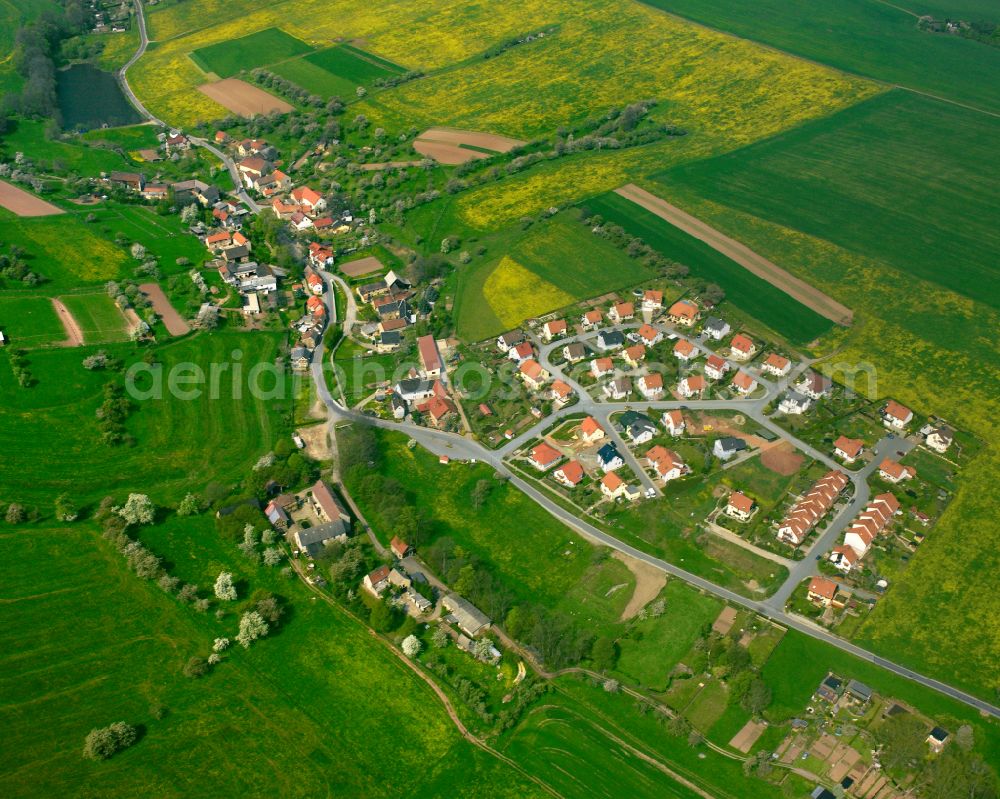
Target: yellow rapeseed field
[515, 293]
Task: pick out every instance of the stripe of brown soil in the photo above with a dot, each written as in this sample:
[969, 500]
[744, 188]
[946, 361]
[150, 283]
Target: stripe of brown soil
[808, 295]
[175, 324]
[74, 335]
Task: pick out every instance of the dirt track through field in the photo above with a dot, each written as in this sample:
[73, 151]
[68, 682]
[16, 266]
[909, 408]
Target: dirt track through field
[74, 335]
[242, 98]
[649, 581]
[175, 324]
[24, 203]
[810, 296]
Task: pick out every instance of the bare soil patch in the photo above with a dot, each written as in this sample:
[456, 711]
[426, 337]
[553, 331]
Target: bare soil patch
[175, 324]
[74, 335]
[725, 620]
[782, 458]
[317, 438]
[25, 203]
[747, 737]
[388, 165]
[444, 144]
[242, 98]
[808, 295]
[362, 266]
[649, 581]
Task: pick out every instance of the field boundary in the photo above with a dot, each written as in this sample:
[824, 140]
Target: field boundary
[767, 270]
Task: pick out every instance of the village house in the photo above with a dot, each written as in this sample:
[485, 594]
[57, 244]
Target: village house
[740, 506]
[716, 329]
[634, 355]
[221, 137]
[251, 168]
[414, 389]
[543, 457]
[399, 547]
[649, 335]
[667, 464]
[560, 392]
[742, 347]
[621, 312]
[673, 421]
[466, 616]
[848, 449]
[610, 340]
[251, 147]
[651, 386]
[609, 458]
[794, 403]
[310, 201]
[574, 353]
[777, 365]
[939, 439]
[618, 389]
[652, 300]
[300, 359]
[896, 416]
[569, 474]
[375, 582]
[684, 313]
[814, 385]
[430, 357]
[727, 447]
[811, 507]
[822, 591]
[937, 739]
[155, 191]
[691, 386]
[314, 282]
[133, 181]
[553, 328]
[437, 409]
[398, 405]
[744, 383]
[591, 319]
[685, 351]
[830, 689]
[534, 374]
[388, 341]
[599, 367]
[716, 367]
[591, 431]
[894, 472]
[510, 339]
[521, 352]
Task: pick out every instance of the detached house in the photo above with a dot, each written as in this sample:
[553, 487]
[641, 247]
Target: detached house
[311, 201]
[744, 383]
[534, 375]
[667, 464]
[561, 392]
[610, 340]
[848, 449]
[727, 447]
[822, 591]
[649, 335]
[638, 427]
[940, 439]
[591, 319]
[544, 457]
[742, 347]
[814, 385]
[618, 389]
[777, 365]
[716, 367]
[652, 300]
[895, 472]
[574, 353]
[430, 357]
[685, 351]
[651, 386]
[896, 416]
[684, 313]
[599, 367]
[621, 312]
[609, 458]
[691, 386]
[591, 431]
[740, 506]
[844, 558]
[508, 340]
[569, 474]
[673, 421]
[521, 352]
[716, 329]
[612, 486]
[557, 327]
[794, 403]
[634, 355]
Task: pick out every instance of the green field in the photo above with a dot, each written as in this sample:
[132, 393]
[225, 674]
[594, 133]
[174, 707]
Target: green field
[648, 657]
[86, 642]
[28, 136]
[919, 173]
[131, 137]
[745, 290]
[354, 65]
[562, 253]
[314, 79]
[29, 321]
[181, 444]
[97, 315]
[877, 39]
[258, 49]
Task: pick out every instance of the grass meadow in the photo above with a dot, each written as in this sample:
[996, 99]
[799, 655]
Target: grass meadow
[314, 79]
[97, 315]
[353, 64]
[553, 264]
[86, 642]
[263, 47]
[785, 315]
[879, 40]
[28, 136]
[180, 445]
[29, 321]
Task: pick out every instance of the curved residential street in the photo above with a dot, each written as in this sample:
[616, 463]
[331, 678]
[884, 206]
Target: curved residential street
[458, 447]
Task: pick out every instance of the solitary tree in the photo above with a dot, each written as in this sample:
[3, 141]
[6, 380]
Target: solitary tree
[138, 251]
[272, 556]
[66, 510]
[252, 627]
[440, 637]
[15, 513]
[224, 588]
[138, 509]
[411, 646]
[483, 649]
[103, 742]
[190, 505]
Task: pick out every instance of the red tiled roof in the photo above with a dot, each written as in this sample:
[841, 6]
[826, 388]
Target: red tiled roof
[572, 471]
[849, 446]
[741, 502]
[544, 455]
[683, 309]
[741, 343]
[823, 587]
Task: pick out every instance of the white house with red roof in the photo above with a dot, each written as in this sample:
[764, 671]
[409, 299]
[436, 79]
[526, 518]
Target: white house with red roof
[742, 347]
[569, 474]
[673, 421]
[894, 472]
[652, 300]
[848, 449]
[591, 431]
[535, 376]
[822, 591]
[554, 328]
[634, 355]
[691, 386]
[667, 464]
[430, 357]
[744, 383]
[591, 319]
[311, 201]
[649, 335]
[599, 367]
[683, 312]
[651, 386]
[777, 365]
[844, 558]
[621, 312]
[740, 506]
[685, 351]
[543, 457]
[560, 392]
[716, 367]
[521, 352]
[896, 416]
